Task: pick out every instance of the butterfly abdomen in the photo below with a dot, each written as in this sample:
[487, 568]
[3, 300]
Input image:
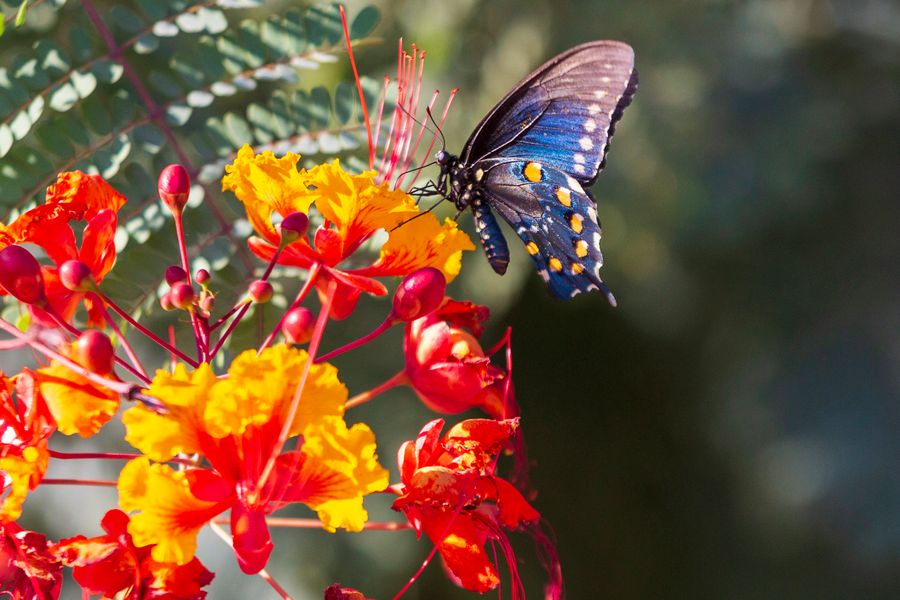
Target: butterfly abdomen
[492, 239]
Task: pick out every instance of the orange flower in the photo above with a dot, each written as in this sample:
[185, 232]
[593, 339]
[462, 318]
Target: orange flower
[446, 365]
[112, 564]
[75, 196]
[354, 209]
[25, 427]
[450, 491]
[235, 423]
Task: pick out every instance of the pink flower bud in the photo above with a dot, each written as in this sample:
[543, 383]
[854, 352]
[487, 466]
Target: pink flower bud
[207, 302]
[260, 291]
[76, 276]
[419, 293]
[94, 351]
[201, 276]
[182, 295]
[20, 275]
[298, 325]
[293, 227]
[174, 185]
[174, 274]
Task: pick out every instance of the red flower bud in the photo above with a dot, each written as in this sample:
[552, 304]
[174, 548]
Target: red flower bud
[298, 325]
[174, 185]
[260, 291]
[293, 227]
[94, 351]
[207, 302]
[174, 274]
[420, 293]
[20, 275]
[201, 276]
[182, 295]
[76, 276]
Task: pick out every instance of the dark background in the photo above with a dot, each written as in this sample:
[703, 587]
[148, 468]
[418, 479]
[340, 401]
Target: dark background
[731, 430]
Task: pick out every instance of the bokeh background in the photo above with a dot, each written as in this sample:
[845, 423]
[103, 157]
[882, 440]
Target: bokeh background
[732, 429]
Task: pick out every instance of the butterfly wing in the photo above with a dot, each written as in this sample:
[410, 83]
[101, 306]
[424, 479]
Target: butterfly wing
[563, 115]
[556, 219]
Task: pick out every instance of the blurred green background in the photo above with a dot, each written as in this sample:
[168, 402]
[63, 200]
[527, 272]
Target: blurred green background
[731, 430]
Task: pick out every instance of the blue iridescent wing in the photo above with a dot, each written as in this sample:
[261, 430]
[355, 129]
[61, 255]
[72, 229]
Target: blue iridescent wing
[564, 114]
[556, 219]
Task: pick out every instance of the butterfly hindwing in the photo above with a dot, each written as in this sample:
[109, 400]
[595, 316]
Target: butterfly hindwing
[557, 221]
[562, 115]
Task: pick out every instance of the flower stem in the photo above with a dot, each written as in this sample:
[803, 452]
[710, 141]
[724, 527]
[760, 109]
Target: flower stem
[131, 321]
[430, 556]
[388, 323]
[398, 379]
[120, 387]
[263, 573]
[94, 482]
[317, 524]
[195, 322]
[125, 345]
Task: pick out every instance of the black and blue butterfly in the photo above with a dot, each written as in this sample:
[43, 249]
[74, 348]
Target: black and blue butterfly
[533, 157]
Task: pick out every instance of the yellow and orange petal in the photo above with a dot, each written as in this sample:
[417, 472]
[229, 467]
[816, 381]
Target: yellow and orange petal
[355, 205]
[23, 472]
[261, 388]
[266, 184]
[423, 242]
[350, 452]
[185, 395]
[170, 516]
[77, 404]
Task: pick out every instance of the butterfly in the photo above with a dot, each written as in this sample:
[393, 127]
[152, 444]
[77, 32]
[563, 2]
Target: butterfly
[532, 158]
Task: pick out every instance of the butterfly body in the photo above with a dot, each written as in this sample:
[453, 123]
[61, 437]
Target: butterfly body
[532, 158]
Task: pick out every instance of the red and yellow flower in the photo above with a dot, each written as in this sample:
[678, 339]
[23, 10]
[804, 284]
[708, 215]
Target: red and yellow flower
[112, 564]
[236, 423]
[25, 427]
[450, 491]
[354, 209]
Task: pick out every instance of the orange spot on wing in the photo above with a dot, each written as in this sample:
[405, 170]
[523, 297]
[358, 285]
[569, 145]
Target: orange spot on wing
[575, 223]
[576, 268]
[581, 248]
[564, 196]
[555, 265]
[533, 172]
[532, 248]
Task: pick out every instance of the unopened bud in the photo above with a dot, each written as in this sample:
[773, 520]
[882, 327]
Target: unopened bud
[76, 276]
[260, 291]
[298, 325]
[419, 293]
[201, 276]
[20, 275]
[174, 185]
[182, 295]
[166, 303]
[293, 227]
[174, 274]
[94, 351]
[207, 302]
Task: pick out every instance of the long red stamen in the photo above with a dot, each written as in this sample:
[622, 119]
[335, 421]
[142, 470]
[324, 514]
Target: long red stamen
[362, 97]
[435, 137]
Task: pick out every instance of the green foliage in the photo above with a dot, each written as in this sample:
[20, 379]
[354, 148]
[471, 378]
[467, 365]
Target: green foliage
[206, 77]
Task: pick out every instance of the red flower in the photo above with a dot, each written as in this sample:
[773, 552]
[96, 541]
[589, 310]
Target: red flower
[111, 564]
[446, 365]
[451, 492]
[27, 570]
[75, 196]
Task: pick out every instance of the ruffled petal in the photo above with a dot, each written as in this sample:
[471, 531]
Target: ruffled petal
[170, 516]
[78, 405]
[266, 184]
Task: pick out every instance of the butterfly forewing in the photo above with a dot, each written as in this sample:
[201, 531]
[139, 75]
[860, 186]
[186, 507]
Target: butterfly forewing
[563, 114]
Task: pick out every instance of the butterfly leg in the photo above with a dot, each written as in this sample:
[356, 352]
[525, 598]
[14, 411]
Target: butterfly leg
[492, 239]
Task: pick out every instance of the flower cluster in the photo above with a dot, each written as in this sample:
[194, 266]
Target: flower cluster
[226, 436]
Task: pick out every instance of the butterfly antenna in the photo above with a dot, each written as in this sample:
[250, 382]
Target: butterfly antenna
[421, 214]
[437, 127]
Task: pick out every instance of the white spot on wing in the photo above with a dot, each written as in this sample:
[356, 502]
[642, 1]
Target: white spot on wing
[572, 183]
[599, 94]
[590, 125]
[578, 169]
[597, 241]
[592, 213]
[605, 79]
[586, 143]
[594, 109]
[578, 157]
[545, 275]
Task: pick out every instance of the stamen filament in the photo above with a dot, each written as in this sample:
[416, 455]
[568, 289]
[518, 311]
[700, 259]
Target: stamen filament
[398, 379]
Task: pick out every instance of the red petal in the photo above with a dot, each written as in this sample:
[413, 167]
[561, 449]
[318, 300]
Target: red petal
[252, 542]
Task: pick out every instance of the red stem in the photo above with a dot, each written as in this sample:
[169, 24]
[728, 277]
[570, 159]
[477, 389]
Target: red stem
[93, 482]
[171, 348]
[398, 379]
[125, 345]
[362, 98]
[301, 296]
[388, 323]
